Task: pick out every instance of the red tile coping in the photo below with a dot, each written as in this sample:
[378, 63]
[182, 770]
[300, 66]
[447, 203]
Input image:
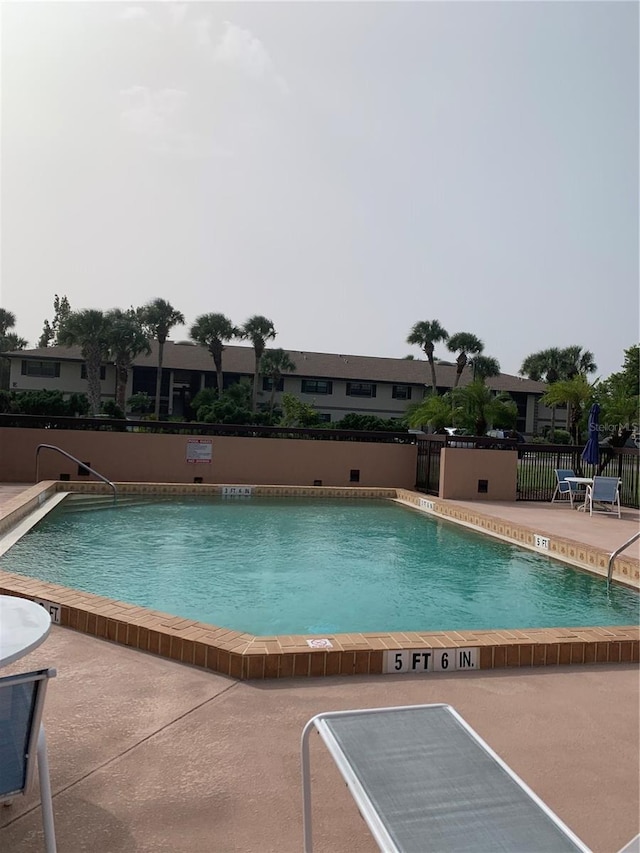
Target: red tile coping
[244, 656]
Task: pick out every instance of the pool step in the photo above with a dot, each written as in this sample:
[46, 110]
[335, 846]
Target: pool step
[91, 503]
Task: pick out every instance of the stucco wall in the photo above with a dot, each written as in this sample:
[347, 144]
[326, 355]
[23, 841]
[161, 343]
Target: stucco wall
[461, 469]
[141, 457]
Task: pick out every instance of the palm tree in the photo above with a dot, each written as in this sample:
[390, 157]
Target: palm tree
[545, 366]
[577, 362]
[7, 321]
[158, 318]
[127, 339]
[575, 393]
[426, 334]
[484, 367]
[90, 330]
[212, 331]
[464, 343]
[9, 342]
[274, 363]
[258, 330]
[436, 411]
[478, 407]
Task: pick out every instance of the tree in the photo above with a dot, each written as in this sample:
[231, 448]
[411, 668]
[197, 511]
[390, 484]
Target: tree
[7, 321]
[477, 408]
[619, 398]
[576, 393]
[212, 331]
[484, 367]
[545, 366]
[464, 343]
[90, 330]
[158, 317]
[426, 334]
[9, 342]
[576, 362]
[258, 330]
[127, 339]
[436, 411]
[62, 309]
[274, 363]
[295, 413]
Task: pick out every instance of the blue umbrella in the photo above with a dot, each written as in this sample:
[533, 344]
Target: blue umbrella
[591, 452]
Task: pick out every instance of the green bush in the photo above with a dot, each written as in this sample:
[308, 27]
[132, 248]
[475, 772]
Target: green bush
[110, 409]
[51, 403]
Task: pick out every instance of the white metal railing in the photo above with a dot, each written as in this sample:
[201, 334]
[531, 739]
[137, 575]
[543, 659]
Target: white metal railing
[74, 459]
[619, 550]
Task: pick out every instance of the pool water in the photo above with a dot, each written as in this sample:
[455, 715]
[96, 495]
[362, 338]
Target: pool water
[277, 566]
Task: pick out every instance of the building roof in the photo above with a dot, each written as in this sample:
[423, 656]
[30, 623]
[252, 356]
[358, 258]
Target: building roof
[317, 365]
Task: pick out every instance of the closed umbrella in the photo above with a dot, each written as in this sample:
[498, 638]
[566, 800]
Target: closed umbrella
[591, 451]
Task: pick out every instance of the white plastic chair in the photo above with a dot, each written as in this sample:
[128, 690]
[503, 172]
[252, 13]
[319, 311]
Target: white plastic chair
[22, 739]
[605, 490]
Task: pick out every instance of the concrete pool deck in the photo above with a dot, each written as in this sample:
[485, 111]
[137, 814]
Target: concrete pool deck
[553, 530]
[152, 756]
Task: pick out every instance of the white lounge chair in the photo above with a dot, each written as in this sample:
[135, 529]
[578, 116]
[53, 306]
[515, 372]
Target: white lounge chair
[22, 738]
[603, 491]
[425, 782]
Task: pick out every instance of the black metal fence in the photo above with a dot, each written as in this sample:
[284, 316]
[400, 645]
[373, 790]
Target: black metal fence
[537, 464]
[193, 428]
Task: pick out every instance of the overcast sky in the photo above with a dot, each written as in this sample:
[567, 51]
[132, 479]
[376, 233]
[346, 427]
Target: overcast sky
[346, 169]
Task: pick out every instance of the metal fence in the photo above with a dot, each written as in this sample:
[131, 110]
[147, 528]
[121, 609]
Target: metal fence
[537, 464]
[192, 428]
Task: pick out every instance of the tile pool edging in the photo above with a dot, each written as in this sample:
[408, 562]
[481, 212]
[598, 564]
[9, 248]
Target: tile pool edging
[245, 656]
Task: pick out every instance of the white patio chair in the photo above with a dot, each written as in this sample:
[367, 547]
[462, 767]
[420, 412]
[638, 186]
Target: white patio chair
[605, 490]
[22, 738]
[564, 489]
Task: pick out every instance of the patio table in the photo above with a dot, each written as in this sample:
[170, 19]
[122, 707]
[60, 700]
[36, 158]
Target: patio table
[24, 625]
[580, 481]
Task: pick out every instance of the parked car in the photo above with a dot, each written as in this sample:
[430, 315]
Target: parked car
[630, 442]
[506, 433]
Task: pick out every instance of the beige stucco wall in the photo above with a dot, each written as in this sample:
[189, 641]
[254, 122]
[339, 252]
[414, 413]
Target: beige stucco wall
[460, 470]
[141, 457]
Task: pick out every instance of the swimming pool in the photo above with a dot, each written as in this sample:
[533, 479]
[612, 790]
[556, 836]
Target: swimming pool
[280, 566]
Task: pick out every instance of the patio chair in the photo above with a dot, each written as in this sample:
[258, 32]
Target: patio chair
[564, 489]
[605, 490]
[22, 738]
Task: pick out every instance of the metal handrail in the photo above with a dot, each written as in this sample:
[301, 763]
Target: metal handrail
[74, 459]
[619, 550]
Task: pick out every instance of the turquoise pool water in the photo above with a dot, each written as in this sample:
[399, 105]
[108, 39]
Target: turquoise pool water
[277, 566]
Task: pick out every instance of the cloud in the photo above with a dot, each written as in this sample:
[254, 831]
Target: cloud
[157, 119]
[133, 13]
[241, 51]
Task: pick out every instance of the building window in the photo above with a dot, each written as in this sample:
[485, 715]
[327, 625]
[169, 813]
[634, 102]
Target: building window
[49, 369]
[267, 383]
[103, 372]
[317, 386]
[324, 417]
[401, 392]
[361, 389]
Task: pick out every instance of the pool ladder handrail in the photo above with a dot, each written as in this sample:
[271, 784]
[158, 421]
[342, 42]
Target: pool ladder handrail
[619, 550]
[74, 459]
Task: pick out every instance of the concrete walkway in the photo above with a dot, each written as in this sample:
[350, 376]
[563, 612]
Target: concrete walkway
[152, 756]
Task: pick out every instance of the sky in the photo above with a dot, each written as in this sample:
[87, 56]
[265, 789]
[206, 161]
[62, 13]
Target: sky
[345, 169]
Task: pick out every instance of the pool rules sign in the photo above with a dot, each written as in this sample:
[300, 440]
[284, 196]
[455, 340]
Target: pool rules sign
[199, 450]
[431, 660]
